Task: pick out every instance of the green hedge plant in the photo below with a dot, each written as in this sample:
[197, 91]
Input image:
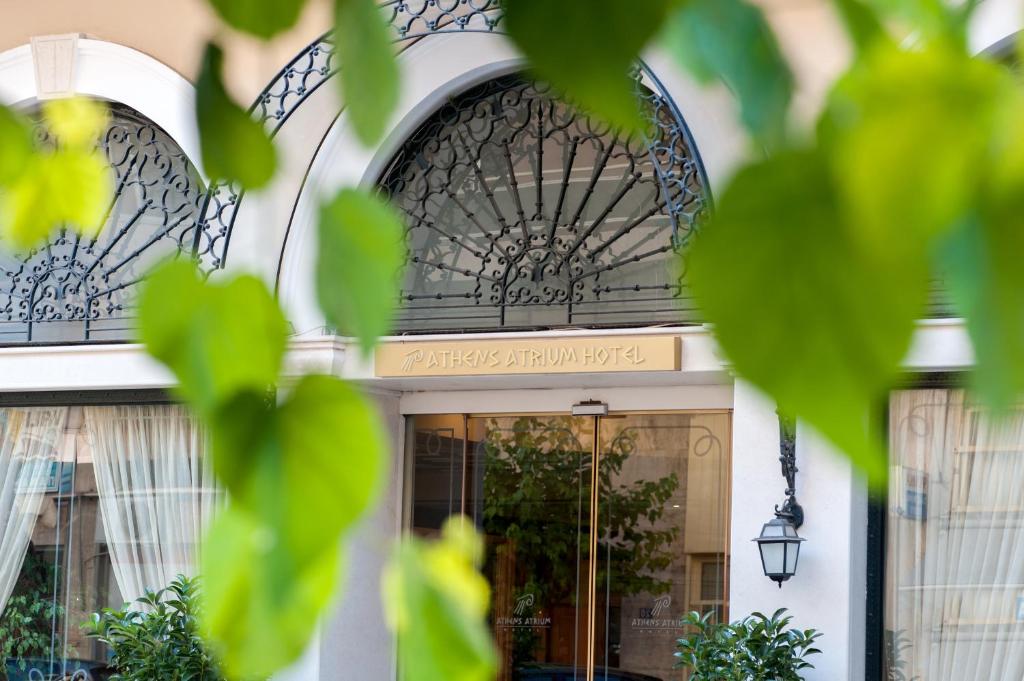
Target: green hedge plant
[756, 648]
[157, 637]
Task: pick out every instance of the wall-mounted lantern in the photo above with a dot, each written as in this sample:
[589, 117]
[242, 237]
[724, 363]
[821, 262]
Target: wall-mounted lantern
[779, 542]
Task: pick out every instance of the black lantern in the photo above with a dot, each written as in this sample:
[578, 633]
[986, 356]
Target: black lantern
[780, 549]
[779, 542]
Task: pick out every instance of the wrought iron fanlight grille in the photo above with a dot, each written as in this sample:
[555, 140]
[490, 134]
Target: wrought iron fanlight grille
[522, 212]
[77, 288]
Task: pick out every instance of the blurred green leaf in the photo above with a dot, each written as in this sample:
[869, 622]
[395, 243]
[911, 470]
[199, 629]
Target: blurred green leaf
[219, 339]
[69, 187]
[906, 133]
[802, 308]
[257, 616]
[731, 39]
[979, 262]
[981, 266]
[924, 21]
[261, 18]
[360, 260]
[863, 24]
[436, 602]
[308, 471]
[314, 467]
[369, 71]
[587, 49]
[235, 147]
[76, 121]
[16, 149]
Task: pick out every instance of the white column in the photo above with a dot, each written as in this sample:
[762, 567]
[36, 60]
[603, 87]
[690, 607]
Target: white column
[355, 644]
[828, 591]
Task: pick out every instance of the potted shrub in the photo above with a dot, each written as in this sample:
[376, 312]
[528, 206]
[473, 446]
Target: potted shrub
[158, 637]
[25, 624]
[756, 648]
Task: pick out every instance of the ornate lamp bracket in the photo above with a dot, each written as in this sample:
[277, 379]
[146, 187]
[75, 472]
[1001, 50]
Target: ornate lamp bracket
[790, 509]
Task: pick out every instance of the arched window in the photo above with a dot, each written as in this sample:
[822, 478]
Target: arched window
[524, 213]
[76, 288]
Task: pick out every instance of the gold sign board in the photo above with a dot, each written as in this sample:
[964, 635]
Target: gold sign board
[595, 354]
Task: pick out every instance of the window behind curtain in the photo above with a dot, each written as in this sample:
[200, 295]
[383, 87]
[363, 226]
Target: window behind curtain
[85, 538]
[954, 562]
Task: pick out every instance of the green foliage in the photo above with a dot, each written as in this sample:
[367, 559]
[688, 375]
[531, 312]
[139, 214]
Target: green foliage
[369, 75]
[235, 147]
[263, 605]
[157, 637]
[436, 601]
[299, 472]
[535, 474]
[16, 150]
[27, 618]
[261, 18]
[204, 333]
[812, 271]
[756, 648]
[587, 49]
[882, 113]
[896, 642]
[361, 250]
[538, 462]
[976, 259]
[863, 25]
[842, 239]
[787, 308]
[731, 39]
[64, 183]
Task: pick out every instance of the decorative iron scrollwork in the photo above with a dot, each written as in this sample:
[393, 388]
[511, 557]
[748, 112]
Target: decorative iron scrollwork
[524, 212]
[672, 152]
[790, 509]
[77, 288]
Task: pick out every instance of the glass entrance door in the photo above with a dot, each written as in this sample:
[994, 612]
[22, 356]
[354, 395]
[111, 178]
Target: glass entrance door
[601, 532]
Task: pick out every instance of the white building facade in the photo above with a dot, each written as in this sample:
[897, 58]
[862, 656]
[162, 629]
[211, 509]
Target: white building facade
[539, 281]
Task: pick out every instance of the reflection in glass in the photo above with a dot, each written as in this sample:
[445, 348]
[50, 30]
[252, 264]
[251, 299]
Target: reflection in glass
[97, 505]
[660, 499]
[532, 476]
[954, 571]
[663, 536]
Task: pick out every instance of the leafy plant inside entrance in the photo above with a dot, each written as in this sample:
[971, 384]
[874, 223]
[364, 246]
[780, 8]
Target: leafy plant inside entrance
[536, 489]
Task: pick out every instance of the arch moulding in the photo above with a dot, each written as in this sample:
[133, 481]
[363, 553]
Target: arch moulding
[117, 73]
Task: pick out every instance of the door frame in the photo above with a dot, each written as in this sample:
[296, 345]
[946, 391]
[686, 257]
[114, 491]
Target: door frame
[700, 397]
[709, 399]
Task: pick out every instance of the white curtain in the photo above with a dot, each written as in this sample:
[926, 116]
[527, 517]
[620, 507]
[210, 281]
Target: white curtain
[955, 566]
[156, 492]
[28, 439]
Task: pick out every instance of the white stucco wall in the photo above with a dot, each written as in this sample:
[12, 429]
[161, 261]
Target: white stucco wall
[827, 592]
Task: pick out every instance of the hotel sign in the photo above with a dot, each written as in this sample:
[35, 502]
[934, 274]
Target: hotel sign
[594, 354]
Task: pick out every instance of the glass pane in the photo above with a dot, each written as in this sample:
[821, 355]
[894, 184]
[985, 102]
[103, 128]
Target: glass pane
[526, 481]
[531, 496]
[792, 557]
[662, 536]
[773, 557]
[437, 443]
[954, 593]
[523, 212]
[79, 289]
[97, 505]
[62, 569]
